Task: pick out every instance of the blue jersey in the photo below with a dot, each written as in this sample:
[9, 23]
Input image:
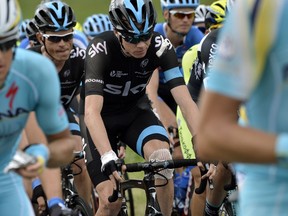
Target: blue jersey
[32, 84]
[252, 66]
[193, 37]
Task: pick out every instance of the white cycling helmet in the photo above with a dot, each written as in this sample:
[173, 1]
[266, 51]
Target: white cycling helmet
[170, 4]
[10, 16]
[200, 14]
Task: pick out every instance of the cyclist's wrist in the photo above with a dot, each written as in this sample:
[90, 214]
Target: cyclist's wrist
[281, 149]
[55, 201]
[107, 157]
[40, 151]
[36, 182]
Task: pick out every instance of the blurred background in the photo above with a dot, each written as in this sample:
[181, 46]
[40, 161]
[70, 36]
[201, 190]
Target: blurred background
[84, 8]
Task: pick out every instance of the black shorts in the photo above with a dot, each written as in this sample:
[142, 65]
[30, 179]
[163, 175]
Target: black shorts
[134, 128]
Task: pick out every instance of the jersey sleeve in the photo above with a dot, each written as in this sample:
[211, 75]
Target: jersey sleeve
[95, 64]
[168, 62]
[242, 51]
[49, 111]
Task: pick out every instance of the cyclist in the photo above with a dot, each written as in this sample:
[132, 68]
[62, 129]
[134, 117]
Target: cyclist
[96, 24]
[116, 106]
[22, 30]
[214, 18]
[55, 36]
[245, 71]
[27, 81]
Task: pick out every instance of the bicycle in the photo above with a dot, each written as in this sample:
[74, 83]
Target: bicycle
[147, 183]
[70, 194]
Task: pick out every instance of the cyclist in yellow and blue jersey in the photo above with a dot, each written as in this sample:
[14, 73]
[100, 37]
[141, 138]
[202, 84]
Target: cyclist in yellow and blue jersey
[251, 68]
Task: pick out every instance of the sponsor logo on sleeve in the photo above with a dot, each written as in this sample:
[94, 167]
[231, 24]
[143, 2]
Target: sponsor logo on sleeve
[97, 48]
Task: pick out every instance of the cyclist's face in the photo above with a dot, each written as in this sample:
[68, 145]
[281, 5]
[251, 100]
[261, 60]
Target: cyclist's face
[58, 44]
[180, 19]
[6, 57]
[136, 50]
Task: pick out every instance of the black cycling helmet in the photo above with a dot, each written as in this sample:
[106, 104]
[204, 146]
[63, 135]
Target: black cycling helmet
[54, 16]
[134, 17]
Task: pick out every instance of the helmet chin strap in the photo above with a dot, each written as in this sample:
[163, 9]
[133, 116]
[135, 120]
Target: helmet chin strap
[122, 47]
[47, 50]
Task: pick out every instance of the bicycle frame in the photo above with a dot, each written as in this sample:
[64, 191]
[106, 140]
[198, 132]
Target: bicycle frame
[148, 185]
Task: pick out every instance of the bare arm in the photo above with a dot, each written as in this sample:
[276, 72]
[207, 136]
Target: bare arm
[60, 145]
[94, 123]
[166, 115]
[221, 138]
[188, 107]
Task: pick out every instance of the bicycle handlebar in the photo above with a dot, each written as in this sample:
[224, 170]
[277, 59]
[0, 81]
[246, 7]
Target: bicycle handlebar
[151, 167]
[154, 165]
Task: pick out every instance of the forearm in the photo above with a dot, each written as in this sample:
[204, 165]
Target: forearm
[188, 107]
[51, 187]
[229, 142]
[97, 131]
[61, 151]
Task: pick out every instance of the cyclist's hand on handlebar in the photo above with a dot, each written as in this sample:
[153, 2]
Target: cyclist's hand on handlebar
[211, 171]
[109, 166]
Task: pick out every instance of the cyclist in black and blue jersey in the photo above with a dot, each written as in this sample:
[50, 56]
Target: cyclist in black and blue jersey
[28, 82]
[56, 43]
[119, 65]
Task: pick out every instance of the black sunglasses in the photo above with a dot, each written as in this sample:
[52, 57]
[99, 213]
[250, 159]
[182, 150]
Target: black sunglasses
[57, 38]
[4, 47]
[135, 39]
[182, 14]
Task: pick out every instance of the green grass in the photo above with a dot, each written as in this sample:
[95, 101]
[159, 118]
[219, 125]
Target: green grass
[138, 194]
[84, 8]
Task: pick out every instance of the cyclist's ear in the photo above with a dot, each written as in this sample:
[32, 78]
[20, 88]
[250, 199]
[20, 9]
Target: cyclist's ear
[40, 38]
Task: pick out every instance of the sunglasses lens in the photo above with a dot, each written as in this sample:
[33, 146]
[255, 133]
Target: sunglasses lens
[137, 39]
[57, 39]
[7, 45]
[180, 15]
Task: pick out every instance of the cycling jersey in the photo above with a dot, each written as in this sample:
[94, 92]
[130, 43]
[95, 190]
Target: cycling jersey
[32, 84]
[205, 56]
[193, 37]
[251, 66]
[122, 80]
[70, 75]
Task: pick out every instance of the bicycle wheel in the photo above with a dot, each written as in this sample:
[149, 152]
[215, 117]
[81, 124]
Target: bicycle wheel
[129, 199]
[80, 205]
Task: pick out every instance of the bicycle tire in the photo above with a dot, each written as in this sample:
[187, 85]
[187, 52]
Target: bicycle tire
[80, 205]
